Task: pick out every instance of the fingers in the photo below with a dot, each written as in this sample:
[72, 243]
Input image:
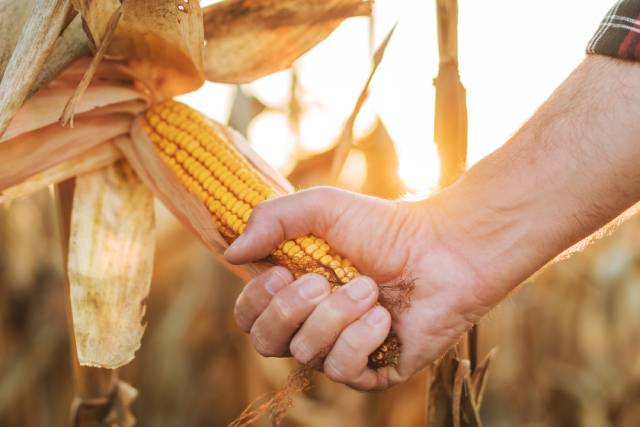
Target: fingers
[347, 361]
[288, 309]
[274, 221]
[304, 317]
[257, 294]
[332, 315]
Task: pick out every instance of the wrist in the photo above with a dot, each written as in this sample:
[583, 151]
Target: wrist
[496, 233]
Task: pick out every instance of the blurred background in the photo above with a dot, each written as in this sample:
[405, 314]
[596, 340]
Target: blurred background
[568, 340]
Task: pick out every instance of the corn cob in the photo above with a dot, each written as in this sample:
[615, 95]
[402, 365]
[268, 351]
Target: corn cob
[212, 169]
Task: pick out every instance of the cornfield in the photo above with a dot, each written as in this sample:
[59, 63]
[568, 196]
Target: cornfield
[114, 196]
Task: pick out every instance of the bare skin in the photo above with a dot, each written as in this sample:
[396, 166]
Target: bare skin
[571, 169]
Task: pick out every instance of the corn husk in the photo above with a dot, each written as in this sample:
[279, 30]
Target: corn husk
[110, 262]
[162, 43]
[45, 108]
[96, 158]
[39, 150]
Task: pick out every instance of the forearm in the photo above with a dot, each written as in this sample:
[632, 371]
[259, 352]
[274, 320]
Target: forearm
[570, 170]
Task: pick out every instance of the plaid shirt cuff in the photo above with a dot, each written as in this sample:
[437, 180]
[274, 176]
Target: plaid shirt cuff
[619, 33]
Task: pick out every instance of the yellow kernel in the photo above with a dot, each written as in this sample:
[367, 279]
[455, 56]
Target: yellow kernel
[325, 260]
[309, 249]
[236, 207]
[206, 182]
[219, 192]
[181, 156]
[191, 146]
[226, 197]
[317, 254]
[287, 245]
[213, 185]
[244, 208]
[198, 152]
[293, 250]
[306, 242]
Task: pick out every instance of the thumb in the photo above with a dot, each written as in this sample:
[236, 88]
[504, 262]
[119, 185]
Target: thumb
[310, 211]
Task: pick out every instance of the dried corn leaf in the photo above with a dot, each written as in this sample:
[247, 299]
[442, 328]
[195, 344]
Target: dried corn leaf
[36, 41]
[480, 375]
[162, 41]
[110, 262]
[13, 15]
[96, 158]
[248, 39]
[345, 141]
[71, 45]
[36, 151]
[462, 371]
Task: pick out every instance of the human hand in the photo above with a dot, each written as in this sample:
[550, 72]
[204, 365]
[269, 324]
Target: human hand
[389, 242]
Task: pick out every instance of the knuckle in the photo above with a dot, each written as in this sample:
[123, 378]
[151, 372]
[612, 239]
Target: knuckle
[332, 313]
[351, 342]
[300, 350]
[333, 372]
[282, 309]
[260, 344]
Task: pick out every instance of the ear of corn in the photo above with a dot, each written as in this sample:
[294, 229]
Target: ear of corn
[212, 169]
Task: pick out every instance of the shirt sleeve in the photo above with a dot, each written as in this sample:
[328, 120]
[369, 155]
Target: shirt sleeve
[619, 32]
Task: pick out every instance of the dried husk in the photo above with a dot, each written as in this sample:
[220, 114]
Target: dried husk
[45, 109]
[248, 39]
[96, 158]
[159, 41]
[162, 44]
[110, 262]
[41, 149]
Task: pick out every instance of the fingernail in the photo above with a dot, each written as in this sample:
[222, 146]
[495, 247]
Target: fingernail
[375, 316]
[360, 288]
[312, 288]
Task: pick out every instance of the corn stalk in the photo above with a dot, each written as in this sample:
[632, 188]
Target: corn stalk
[456, 382]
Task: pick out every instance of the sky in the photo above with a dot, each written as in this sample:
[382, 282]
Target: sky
[513, 54]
